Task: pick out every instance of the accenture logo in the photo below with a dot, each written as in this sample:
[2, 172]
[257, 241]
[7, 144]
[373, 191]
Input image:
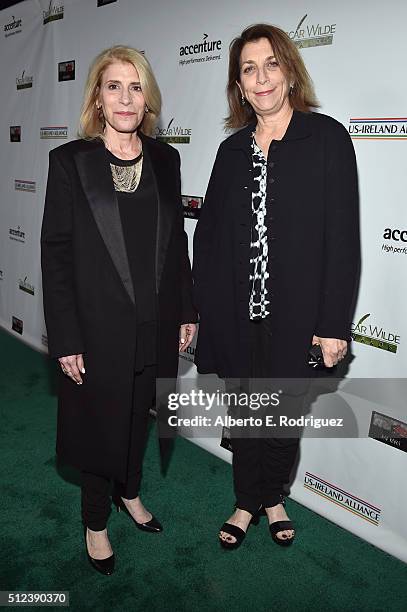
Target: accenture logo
[16, 234]
[313, 35]
[398, 236]
[13, 27]
[188, 354]
[378, 128]
[203, 48]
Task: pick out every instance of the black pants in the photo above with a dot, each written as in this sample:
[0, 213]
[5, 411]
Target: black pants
[261, 465]
[95, 488]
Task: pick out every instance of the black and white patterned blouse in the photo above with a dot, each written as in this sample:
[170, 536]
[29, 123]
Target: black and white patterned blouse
[258, 302]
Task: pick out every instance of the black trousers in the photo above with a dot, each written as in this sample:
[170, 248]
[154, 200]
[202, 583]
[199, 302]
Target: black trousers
[261, 465]
[95, 488]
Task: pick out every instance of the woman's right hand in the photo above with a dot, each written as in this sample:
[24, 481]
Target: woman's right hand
[73, 366]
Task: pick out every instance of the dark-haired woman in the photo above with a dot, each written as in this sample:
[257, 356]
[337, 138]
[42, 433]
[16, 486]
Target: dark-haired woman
[276, 253]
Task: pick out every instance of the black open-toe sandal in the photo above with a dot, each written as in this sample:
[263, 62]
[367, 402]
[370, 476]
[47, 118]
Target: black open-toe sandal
[281, 526]
[236, 532]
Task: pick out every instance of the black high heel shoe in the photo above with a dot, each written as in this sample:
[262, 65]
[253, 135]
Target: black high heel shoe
[237, 532]
[103, 566]
[282, 526]
[152, 526]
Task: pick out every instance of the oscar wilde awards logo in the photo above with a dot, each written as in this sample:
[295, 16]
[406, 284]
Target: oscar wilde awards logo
[25, 186]
[103, 2]
[374, 335]
[378, 128]
[66, 71]
[192, 206]
[13, 27]
[173, 134]
[24, 82]
[53, 13]
[47, 133]
[25, 286]
[313, 35]
[388, 430]
[16, 234]
[200, 51]
[343, 499]
[15, 133]
[395, 236]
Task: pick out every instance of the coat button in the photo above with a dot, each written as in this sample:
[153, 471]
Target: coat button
[274, 147]
[271, 180]
[271, 164]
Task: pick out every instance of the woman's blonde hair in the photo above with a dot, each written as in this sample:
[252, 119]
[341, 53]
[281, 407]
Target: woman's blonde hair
[302, 96]
[91, 122]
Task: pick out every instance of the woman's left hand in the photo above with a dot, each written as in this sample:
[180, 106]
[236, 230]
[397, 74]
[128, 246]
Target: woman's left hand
[186, 333]
[333, 349]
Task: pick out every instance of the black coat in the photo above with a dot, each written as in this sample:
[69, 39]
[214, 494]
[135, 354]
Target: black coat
[89, 300]
[313, 247]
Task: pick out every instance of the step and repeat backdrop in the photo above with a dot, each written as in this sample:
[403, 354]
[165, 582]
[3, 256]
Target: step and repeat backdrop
[355, 53]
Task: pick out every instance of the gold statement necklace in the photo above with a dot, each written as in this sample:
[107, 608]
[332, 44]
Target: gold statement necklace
[127, 178]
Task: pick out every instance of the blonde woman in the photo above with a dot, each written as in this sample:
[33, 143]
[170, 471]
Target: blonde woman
[117, 287]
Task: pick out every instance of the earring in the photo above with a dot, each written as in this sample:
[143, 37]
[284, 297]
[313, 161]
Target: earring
[291, 88]
[146, 109]
[101, 116]
[243, 100]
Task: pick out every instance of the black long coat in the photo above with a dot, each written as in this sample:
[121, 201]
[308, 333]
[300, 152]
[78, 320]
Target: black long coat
[89, 300]
[313, 247]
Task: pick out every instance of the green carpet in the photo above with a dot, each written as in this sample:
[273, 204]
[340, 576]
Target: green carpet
[183, 568]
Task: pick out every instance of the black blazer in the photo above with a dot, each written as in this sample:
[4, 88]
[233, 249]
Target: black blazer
[313, 246]
[89, 300]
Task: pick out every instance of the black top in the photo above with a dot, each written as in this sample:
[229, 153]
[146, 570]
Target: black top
[138, 213]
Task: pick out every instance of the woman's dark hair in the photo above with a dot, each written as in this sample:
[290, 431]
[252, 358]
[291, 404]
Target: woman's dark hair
[302, 96]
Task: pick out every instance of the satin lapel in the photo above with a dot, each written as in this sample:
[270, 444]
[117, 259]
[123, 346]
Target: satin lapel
[165, 180]
[94, 172]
